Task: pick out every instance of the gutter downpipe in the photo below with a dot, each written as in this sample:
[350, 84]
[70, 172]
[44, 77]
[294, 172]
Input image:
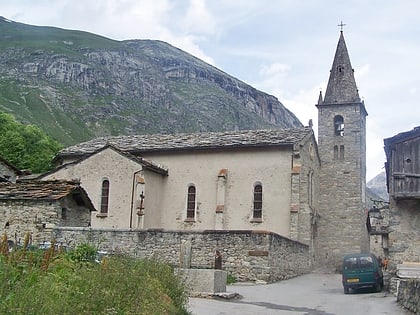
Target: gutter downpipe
[132, 197]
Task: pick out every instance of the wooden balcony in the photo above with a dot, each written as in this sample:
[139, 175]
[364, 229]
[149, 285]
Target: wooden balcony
[405, 186]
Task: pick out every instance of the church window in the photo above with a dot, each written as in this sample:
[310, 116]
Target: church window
[257, 213]
[336, 152]
[105, 196]
[191, 201]
[339, 125]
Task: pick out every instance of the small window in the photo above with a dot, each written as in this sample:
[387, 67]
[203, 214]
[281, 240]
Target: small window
[64, 213]
[310, 187]
[336, 152]
[257, 213]
[105, 196]
[339, 125]
[191, 202]
[341, 152]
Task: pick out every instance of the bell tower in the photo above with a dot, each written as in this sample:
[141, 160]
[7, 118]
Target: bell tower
[342, 148]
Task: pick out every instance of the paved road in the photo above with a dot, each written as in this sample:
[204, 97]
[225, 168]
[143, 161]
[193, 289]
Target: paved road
[312, 294]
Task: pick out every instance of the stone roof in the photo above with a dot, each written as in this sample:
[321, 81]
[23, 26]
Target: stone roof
[11, 166]
[193, 141]
[42, 190]
[341, 86]
[145, 163]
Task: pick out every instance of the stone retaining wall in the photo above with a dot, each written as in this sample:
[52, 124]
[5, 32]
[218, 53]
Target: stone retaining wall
[247, 255]
[409, 294]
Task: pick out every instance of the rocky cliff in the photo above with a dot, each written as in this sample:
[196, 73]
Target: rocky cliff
[377, 186]
[76, 86]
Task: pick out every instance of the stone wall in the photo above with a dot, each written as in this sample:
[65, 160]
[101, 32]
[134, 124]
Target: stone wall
[247, 255]
[341, 226]
[21, 217]
[404, 232]
[37, 217]
[7, 172]
[409, 295]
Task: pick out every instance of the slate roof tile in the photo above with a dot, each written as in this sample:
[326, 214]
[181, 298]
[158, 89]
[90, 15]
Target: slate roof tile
[189, 141]
[37, 190]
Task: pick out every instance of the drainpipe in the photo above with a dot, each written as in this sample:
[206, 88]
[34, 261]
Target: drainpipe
[132, 197]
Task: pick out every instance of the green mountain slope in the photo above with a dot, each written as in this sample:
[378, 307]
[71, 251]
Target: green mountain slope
[76, 85]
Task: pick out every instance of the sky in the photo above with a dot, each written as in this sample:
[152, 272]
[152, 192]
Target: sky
[282, 47]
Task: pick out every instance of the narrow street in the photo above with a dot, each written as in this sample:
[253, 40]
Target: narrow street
[312, 294]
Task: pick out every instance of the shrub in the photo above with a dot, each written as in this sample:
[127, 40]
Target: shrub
[73, 283]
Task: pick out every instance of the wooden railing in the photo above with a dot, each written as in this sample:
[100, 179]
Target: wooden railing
[406, 185]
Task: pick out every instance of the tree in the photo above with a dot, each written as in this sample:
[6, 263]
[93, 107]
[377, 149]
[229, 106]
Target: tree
[26, 146]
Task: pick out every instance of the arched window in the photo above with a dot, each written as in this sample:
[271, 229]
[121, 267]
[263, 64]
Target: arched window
[339, 125]
[191, 202]
[105, 196]
[257, 213]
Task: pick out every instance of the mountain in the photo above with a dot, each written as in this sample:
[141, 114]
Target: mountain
[76, 86]
[377, 187]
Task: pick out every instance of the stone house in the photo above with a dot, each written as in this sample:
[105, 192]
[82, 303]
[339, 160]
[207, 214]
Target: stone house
[8, 172]
[403, 181]
[241, 180]
[35, 207]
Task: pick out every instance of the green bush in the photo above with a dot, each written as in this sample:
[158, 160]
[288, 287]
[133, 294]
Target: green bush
[73, 283]
[231, 279]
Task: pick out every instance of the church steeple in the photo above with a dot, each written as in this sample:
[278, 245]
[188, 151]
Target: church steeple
[341, 86]
[341, 227]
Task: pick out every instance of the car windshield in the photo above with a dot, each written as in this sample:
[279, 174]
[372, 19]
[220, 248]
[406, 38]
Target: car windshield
[362, 262]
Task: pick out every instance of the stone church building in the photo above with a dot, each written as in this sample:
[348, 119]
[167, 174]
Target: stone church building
[270, 187]
[342, 147]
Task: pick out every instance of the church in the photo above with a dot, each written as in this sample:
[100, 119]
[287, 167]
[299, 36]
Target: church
[273, 182]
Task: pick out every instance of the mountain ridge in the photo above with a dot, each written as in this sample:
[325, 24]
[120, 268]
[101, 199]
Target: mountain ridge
[77, 85]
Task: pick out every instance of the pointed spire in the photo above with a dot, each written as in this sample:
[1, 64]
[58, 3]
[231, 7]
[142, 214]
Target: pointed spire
[341, 86]
[320, 98]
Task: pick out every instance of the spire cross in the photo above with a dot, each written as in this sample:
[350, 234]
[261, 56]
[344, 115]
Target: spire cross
[341, 26]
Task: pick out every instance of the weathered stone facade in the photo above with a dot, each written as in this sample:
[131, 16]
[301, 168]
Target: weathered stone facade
[247, 255]
[409, 295]
[404, 236]
[8, 172]
[37, 218]
[35, 207]
[341, 227]
[403, 180]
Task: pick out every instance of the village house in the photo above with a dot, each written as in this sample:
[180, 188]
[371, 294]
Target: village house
[8, 172]
[35, 207]
[403, 182]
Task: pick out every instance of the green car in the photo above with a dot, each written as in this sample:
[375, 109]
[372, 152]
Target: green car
[362, 271]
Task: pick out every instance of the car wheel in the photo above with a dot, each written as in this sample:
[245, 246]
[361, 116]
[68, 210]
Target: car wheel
[378, 287]
[346, 290]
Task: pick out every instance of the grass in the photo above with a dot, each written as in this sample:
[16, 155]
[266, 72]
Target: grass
[56, 282]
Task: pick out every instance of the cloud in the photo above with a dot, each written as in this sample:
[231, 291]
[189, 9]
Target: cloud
[198, 19]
